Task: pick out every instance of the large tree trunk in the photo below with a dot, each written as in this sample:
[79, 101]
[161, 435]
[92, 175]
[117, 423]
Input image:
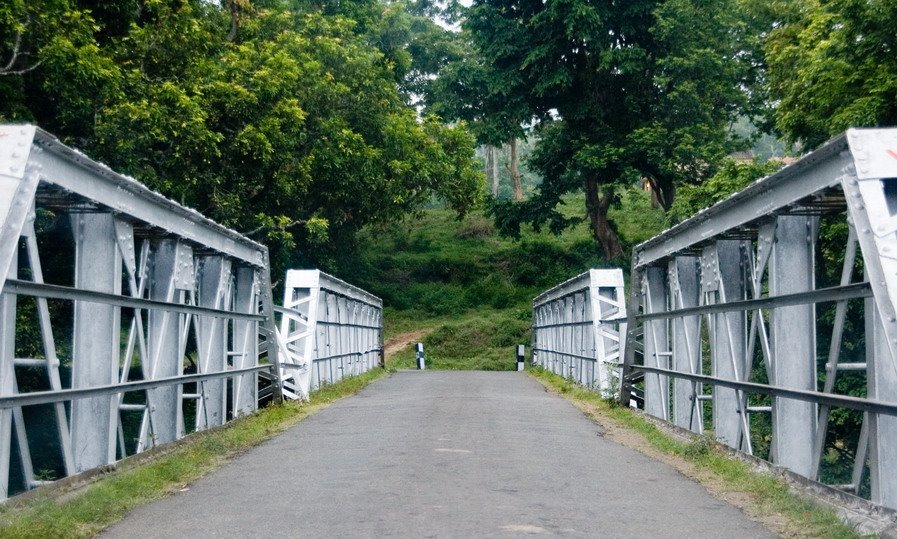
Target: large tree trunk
[515, 171]
[487, 168]
[597, 206]
[493, 151]
[662, 193]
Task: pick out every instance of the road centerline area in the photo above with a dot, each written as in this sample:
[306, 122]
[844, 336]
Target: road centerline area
[445, 454]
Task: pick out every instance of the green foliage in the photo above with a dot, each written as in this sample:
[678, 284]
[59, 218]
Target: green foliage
[635, 217]
[483, 341]
[437, 265]
[731, 177]
[283, 119]
[642, 89]
[831, 66]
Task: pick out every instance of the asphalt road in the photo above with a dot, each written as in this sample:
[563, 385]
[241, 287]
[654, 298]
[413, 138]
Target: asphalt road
[442, 454]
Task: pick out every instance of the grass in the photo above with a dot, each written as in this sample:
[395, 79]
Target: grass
[439, 266]
[84, 513]
[766, 497]
[478, 340]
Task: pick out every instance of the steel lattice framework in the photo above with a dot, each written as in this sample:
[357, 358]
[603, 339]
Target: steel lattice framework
[577, 329]
[149, 288]
[330, 330]
[741, 280]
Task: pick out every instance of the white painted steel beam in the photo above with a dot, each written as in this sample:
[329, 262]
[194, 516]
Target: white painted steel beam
[657, 346]
[329, 330]
[793, 342]
[7, 372]
[172, 320]
[96, 341]
[245, 341]
[773, 223]
[577, 329]
[686, 336]
[214, 280]
[80, 175]
[813, 173]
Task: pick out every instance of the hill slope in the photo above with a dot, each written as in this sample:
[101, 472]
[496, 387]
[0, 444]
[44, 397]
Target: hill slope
[468, 289]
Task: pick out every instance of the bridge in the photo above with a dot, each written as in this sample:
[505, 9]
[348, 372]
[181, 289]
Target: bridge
[128, 322]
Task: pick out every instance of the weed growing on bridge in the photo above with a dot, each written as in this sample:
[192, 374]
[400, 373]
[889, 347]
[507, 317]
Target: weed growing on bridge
[763, 496]
[85, 512]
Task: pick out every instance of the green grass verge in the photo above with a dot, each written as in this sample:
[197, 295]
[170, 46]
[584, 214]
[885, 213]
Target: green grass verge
[108, 500]
[483, 339]
[766, 494]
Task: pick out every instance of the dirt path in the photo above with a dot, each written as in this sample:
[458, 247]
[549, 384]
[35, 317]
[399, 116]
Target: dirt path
[404, 340]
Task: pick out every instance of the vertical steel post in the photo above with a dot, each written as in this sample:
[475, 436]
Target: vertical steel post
[96, 339]
[882, 385]
[321, 347]
[577, 330]
[684, 293]
[268, 329]
[214, 278]
[602, 311]
[342, 333]
[793, 336]
[246, 341]
[657, 387]
[7, 371]
[534, 337]
[728, 340]
[627, 351]
[163, 336]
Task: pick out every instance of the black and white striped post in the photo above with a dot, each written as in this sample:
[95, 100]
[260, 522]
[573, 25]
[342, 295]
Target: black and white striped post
[420, 356]
[521, 349]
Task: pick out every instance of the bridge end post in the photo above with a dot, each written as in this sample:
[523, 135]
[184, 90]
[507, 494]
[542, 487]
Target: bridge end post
[632, 309]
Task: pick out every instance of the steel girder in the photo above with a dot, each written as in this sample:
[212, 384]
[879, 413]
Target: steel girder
[578, 328]
[739, 280]
[159, 319]
[329, 329]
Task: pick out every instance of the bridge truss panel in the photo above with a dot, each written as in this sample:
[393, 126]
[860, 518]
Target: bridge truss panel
[329, 330]
[578, 328]
[126, 320]
[754, 316]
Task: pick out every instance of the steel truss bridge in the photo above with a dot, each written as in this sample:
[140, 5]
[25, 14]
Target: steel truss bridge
[739, 312]
[127, 320]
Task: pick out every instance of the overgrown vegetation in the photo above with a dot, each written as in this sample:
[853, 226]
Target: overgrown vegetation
[98, 505]
[765, 494]
[463, 281]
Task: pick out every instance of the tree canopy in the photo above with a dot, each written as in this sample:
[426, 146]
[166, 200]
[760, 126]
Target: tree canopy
[832, 65]
[283, 120]
[626, 91]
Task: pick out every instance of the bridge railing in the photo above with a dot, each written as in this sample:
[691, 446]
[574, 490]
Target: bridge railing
[791, 286]
[329, 330]
[578, 328]
[126, 320]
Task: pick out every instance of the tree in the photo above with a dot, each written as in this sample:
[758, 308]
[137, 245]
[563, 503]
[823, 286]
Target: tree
[626, 91]
[53, 72]
[290, 127]
[832, 65]
[491, 97]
